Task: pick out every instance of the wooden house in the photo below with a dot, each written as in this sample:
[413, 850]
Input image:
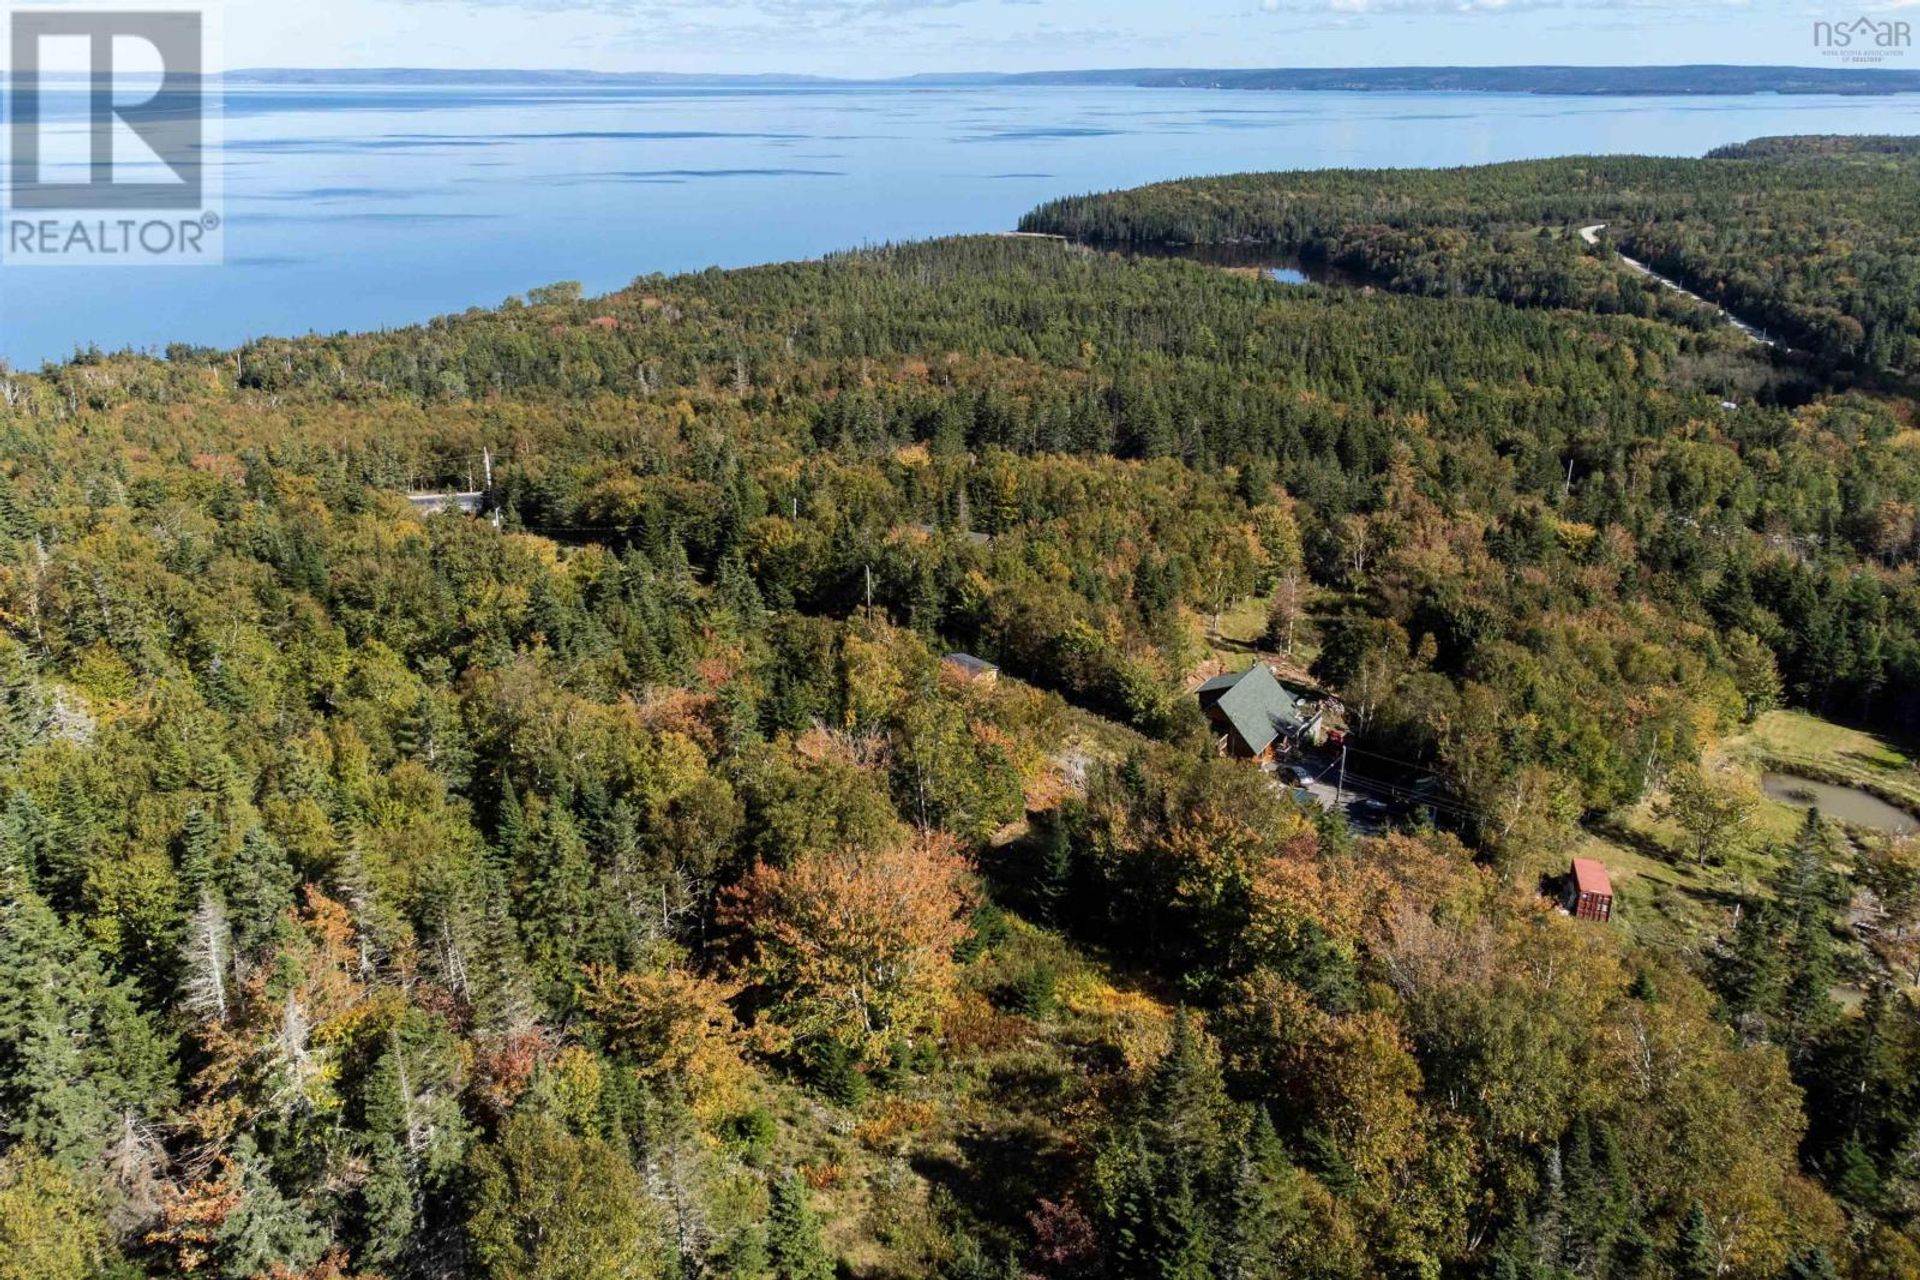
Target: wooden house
[1255, 715]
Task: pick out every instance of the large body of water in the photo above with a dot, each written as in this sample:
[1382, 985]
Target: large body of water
[352, 208]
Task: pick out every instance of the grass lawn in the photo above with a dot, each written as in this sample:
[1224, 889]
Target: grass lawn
[1243, 625]
[1798, 742]
[1662, 896]
[1242, 633]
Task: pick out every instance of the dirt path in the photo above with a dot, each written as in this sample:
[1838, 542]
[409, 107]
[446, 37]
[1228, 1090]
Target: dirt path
[1591, 235]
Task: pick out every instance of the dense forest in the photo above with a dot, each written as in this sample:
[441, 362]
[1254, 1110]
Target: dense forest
[1815, 238]
[619, 884]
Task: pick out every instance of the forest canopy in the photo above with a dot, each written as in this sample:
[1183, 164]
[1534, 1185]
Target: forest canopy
[1814, 238]
[621, 882]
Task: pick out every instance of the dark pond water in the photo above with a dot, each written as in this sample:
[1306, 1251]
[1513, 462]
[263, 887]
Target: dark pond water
[1846, 804]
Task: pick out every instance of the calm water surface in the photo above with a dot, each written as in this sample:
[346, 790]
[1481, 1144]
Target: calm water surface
[351, 208]
[1848, 804]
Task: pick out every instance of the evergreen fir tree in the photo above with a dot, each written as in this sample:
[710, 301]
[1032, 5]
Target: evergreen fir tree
[793, 1234]
[1187, 1110]
[388, 1197]
[1633, 1256]
[267, 1227]
[1779, 972]
[1752, 977]
[1182, 1242]
[1691, 1255]
[48, 1094]
[23, 702]
[387, 1205]
[1322, 1156]
[26, 837]
[559, 903]
[1811, 1264]
[1264, 1210]
[1512, 1255]
[509, 829]
[1053, 869]
[734, 587]
[258, 884]
[1128, 1208]
[199, 849]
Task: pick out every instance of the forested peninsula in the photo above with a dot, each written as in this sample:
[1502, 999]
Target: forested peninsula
[710, 781]
[1817, 238]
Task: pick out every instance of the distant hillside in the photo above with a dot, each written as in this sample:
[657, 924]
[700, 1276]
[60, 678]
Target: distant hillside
[1564, 80]
[1814, 238]
[1573, 80]
[487, 76]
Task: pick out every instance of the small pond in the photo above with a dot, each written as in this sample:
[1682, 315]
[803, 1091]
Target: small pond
[1846, 804]
[1282, 268]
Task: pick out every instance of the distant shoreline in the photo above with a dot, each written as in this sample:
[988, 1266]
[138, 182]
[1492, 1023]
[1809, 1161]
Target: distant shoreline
[1644, 81]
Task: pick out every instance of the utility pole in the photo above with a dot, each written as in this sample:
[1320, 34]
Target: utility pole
[486, 464]
[1340, 787]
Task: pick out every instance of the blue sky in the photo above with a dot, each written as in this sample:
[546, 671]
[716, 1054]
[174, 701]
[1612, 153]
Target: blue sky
[891, 37]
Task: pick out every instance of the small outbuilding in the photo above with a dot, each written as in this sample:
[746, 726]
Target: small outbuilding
[1589, 891]
[969, 669]
[1256, 716]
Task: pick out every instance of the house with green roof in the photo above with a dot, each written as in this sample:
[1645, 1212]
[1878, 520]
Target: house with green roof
[1255, 714]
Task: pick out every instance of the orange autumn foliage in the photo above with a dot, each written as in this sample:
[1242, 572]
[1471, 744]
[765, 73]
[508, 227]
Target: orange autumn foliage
[856, 946]
[192, 1214]
[670, 1026]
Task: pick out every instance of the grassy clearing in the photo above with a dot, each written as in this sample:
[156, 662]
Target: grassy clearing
[1665, 898]
[1242, 633]
[1800, 743]
[1660, 903]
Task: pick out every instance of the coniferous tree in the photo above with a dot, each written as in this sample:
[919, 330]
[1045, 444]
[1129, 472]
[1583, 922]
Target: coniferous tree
[1811, 1264]
[1129, 1207]
[1265, 1213]
[266, 1228]
[559, 900]
[77, 1054]
[23, 703]
[1053, 869]
[28, 834]
[793, 1234]
[1188, 1117]
[258, 887]
[1634, 1255]
[1803, 889]
[1753, 977]
[199, 853]
[1691, 1256]
[1182, 1236]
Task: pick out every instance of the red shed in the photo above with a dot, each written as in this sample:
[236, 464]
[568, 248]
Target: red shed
[1589, 892]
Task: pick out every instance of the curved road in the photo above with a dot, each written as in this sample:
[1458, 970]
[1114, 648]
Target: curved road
[1592, 236]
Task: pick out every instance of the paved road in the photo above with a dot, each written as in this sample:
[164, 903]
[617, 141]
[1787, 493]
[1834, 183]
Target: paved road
[1592, 236]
